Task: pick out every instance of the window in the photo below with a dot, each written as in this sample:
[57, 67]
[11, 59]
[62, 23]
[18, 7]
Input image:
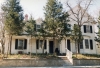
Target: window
[39, 44]
[87, 28]
[21, 44]
[86, 44]
[81, 45]
[37, 27]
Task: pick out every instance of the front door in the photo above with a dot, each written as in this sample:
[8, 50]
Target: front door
[68, 45]
[50, 46]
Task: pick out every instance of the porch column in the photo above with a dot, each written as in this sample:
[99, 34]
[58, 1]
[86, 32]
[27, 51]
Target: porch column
[28, 47]
[60, 44]
[47, 46]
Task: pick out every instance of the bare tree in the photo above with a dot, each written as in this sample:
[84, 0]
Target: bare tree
[2, 33]
[80, 16]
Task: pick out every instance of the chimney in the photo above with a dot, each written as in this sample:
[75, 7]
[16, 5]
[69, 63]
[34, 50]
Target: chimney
[26, 17]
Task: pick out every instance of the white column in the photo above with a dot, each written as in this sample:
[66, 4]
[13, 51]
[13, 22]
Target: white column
[60, 44]
[47, 46]
[28, 45]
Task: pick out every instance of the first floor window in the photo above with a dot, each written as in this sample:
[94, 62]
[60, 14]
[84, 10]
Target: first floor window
[39, 44]
[86, 44]
[81, 45]
[21, 44]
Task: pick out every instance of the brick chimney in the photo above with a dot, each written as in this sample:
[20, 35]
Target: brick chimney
[26, 17]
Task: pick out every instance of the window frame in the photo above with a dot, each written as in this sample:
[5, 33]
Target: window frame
[22, 47]
[88, 28]
[86, 44]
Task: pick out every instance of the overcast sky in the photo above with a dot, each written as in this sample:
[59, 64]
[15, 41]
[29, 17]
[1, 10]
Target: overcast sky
[35, 7]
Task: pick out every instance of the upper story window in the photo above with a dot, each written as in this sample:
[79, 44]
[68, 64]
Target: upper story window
[37, 27]
[87, 28]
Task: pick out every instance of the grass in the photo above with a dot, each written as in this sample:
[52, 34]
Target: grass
[86, 56]
[33, 56]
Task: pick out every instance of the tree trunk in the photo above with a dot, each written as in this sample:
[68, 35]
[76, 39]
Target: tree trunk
[79, 39]
[31, 47]
[10, 43]
[76, 48]
[43, 46]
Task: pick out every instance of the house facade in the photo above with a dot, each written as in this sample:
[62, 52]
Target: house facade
[25, 44]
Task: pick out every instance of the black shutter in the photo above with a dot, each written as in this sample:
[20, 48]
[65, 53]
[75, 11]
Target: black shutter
[45, 46]
[90, 29]
[37, 44]
[84, 27]
[91, 44]
[16, 43]
[25, 44]
[35, 27]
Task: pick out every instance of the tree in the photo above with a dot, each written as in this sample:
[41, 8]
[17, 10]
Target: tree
[98, 33]
[30, 29]
[75, 36]
[13, 18]
[79, 15]
[55, 20]
[43, 34]
[2, 33]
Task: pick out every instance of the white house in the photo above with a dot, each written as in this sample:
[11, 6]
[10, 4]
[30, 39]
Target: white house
[23, 43]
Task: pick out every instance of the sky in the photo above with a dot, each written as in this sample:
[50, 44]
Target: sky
[35, 7]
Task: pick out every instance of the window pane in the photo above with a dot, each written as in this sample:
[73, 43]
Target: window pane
[41, 42]
[38, 26]
[86, 44]
[88, 29]
[20, 44]
[81, 45]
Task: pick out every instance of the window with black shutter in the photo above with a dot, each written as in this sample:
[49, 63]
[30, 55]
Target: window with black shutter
[45, 44]
[90, 29]
[37, 44]
[84, 27]
[20, 44]
[91, 44]
[35, 27]
[25, 44]
[16, 43]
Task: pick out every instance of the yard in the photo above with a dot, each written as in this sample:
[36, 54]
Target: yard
[49, 56]
[86, 56]
[33, 56]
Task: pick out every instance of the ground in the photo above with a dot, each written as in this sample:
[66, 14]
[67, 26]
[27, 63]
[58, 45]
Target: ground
[86, 56]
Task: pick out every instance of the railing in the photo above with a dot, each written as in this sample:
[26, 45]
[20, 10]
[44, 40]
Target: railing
[69, 55]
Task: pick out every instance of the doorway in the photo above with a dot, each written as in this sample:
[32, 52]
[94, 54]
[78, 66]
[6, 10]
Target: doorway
[50, 46]
[68, 45]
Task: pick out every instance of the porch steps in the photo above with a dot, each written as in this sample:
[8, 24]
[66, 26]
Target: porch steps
[67, 62]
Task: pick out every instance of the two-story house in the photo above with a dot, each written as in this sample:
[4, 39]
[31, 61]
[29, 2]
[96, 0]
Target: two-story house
[23, 43]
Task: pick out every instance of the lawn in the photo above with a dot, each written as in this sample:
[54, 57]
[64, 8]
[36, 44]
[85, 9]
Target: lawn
[33, 56]
[86, 56]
